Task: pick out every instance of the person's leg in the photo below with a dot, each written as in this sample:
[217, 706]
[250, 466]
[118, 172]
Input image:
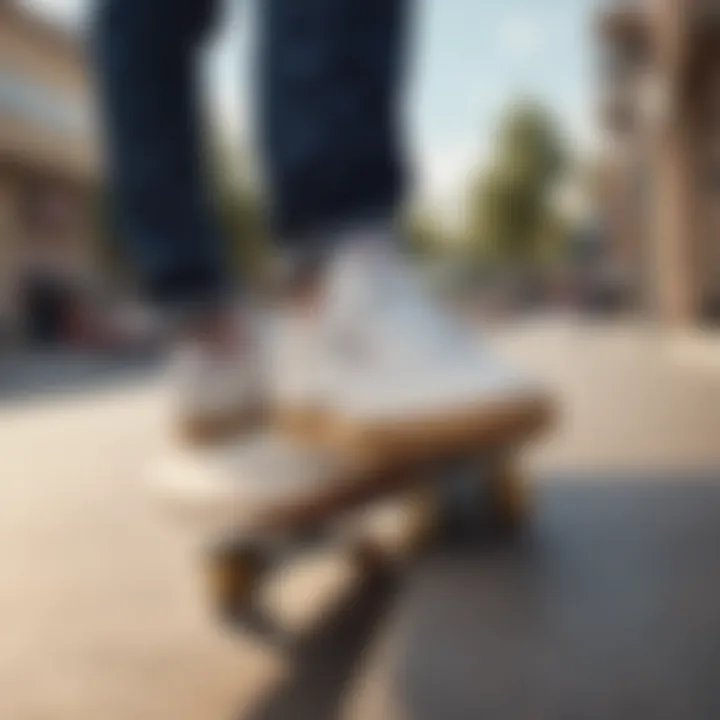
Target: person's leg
[147, 53]
[330, 75]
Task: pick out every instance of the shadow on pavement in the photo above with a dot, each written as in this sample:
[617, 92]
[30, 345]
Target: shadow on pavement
[324, 659]
[609, 610]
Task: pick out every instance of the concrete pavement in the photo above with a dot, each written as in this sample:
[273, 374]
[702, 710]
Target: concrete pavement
[103, 617]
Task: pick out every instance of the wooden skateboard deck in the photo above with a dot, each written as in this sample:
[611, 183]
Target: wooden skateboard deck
[257, 502]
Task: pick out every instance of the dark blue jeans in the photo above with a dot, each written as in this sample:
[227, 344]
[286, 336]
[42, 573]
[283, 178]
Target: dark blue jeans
[328, 81]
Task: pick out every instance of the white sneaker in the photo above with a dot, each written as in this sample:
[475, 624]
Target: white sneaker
[234, 488]
[217, 394]
[388, 368]
[299, 370]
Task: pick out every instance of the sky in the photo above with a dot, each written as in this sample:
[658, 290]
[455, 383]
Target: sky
[470, 59]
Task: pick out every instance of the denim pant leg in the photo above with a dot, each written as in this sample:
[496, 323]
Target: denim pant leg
[330, 96]
[147, 62]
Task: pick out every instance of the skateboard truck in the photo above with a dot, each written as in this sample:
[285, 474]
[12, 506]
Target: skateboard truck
[462, 497]
[269, 498]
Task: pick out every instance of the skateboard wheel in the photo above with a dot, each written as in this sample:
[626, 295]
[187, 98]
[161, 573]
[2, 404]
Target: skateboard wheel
[460, 505]
[400, 531]
[423, 524]
[510, 499]
[233, 574]
[370, 558]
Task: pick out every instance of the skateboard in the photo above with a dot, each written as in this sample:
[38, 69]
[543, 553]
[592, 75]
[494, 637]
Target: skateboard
[259, 502]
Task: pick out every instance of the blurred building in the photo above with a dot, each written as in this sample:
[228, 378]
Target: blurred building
[48, 174]
[661, 175]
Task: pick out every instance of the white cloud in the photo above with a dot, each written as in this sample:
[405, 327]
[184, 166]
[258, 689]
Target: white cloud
[443, 166]
[445, 171]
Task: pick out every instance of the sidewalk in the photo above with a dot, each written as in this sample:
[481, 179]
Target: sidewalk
[696, 349]
[104, 618]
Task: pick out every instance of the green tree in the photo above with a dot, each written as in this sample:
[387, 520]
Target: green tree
[242, 215]
[424, 233]
[243, 221]
[511, 210]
